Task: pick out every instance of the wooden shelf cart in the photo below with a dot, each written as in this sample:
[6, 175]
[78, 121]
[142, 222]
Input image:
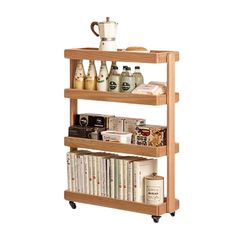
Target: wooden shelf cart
[170, 204]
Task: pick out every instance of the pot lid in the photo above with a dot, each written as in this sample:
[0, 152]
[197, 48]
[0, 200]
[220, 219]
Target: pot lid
[108, 21]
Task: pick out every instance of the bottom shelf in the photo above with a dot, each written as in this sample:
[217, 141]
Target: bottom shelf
[156, 210]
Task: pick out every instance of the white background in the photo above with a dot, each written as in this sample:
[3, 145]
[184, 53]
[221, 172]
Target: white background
[34, 114]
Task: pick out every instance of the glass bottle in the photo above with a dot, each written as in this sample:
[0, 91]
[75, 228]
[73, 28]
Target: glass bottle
[102, 79]
[138, 76]
[112, 65]
[114, 80]
[90, 80]
[127, 82]
[79, 75]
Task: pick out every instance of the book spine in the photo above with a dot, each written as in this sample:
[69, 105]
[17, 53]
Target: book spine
[86, 175]
[112, 177]
[130, 181]
[90, 168]
[116, 178]
[120, 179]
[125, 181]
[81, 174]
[94, 175]
[136, 182]
[68, 162]
[108, 175]
[77, 168]
[104, 179]
[99, 176]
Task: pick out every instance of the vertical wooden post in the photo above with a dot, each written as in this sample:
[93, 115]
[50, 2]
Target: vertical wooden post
[73, 102]
[170, 132]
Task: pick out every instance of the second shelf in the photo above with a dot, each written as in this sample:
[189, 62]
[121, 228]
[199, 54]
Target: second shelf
[117, 147]
[118, 97]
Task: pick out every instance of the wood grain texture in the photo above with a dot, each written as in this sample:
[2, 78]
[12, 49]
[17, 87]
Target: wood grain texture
[118, 204]
[73, 102]
[117, 147]
[171, 133]
[118, 97]
[153, 56]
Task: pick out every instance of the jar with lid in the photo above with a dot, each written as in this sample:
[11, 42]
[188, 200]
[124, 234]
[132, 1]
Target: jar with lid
[91, 79]
[79, 75]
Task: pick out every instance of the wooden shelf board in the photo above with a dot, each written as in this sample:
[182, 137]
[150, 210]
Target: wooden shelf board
[117, 147]
[119, 204]
[118, 97]
[153, 56]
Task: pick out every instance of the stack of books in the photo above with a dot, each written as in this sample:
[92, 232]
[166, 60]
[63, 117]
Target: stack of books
[108, 175]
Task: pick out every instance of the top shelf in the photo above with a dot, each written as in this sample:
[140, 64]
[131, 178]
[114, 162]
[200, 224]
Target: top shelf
[153, 56]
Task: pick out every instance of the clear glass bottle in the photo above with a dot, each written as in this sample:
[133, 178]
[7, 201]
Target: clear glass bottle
[102, 79]
[91, 79]
[127, 82]
[114, 80]
[79, 75]
[138, 76]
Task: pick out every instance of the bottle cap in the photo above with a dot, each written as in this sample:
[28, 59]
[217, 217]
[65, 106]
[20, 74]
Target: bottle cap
[137, 67]
[115, 67]
[125, 67]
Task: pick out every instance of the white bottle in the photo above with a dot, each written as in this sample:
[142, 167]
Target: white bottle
[102, 79]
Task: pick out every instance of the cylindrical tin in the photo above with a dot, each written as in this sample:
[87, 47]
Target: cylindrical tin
[154, 189]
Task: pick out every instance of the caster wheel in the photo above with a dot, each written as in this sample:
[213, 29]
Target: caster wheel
[72, 204]
[172, 214]
[156, 218]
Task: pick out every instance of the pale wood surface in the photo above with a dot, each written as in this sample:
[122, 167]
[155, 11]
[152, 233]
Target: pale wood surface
[73, 102]
[153, 56]
[118, 204]
[171, 133]
[117, 147]
[118, 97]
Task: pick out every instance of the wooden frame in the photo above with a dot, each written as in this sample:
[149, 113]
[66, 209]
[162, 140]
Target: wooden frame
[171, 204]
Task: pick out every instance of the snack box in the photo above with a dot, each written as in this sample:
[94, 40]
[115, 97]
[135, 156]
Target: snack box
[151, 135]
[115, 136]
[85, 132]
[130, 125]
[92, 120]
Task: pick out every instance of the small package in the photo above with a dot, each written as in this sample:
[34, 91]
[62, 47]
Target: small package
[149, 89]
[150, 135]
[115, 136]
[130, 125]
[116, 123]
[92, 120]
[80, 132]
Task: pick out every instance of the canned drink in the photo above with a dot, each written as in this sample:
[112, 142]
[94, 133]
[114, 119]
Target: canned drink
[154, 189]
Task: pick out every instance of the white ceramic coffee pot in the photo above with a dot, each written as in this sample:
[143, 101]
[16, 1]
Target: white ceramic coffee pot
[107, 33]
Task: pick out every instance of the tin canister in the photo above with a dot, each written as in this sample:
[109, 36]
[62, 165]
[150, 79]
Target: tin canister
[154, 189]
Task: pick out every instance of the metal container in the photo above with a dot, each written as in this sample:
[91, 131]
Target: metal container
[154, 189]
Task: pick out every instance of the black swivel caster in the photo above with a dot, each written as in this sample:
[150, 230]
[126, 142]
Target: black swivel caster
[156, 218]
[72, 204]
[172, 214]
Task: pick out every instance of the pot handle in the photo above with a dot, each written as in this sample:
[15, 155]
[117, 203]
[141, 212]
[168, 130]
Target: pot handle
[92, 27]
